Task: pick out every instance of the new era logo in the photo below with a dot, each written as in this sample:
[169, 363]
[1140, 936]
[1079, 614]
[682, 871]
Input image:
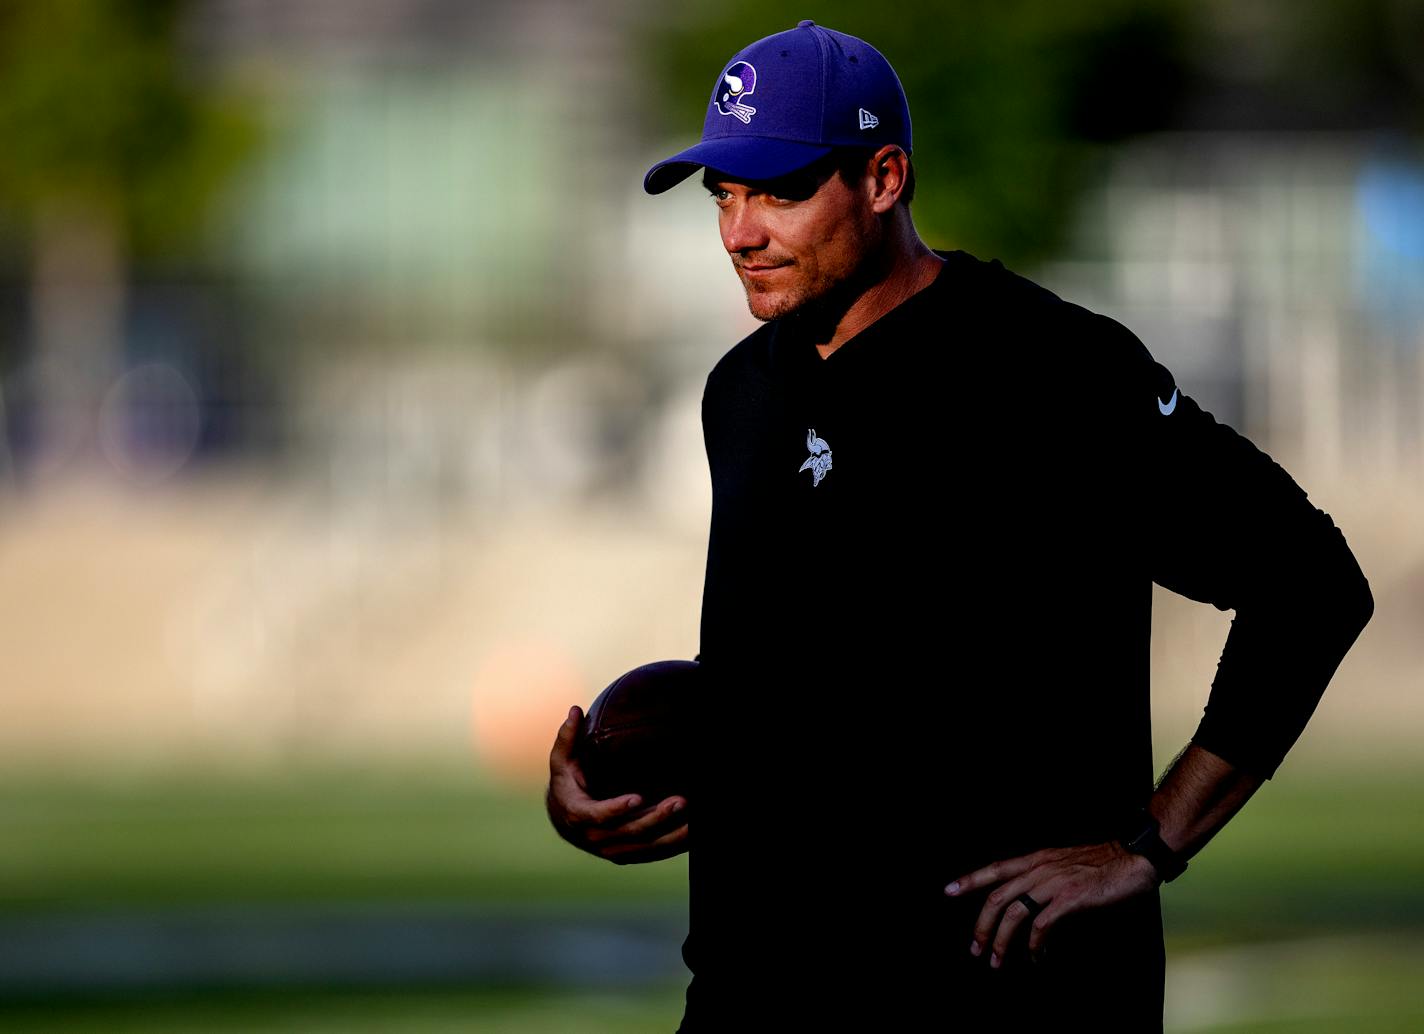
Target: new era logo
[867, 120]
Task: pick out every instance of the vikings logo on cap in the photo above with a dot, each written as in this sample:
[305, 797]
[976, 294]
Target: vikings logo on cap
[737, 82]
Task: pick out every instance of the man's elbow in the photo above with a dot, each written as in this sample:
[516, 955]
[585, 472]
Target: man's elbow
[1345, 611]
[1364, 607]
[1360, 601]
[1351, 595]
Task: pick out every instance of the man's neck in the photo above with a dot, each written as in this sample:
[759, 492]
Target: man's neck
[909, 273]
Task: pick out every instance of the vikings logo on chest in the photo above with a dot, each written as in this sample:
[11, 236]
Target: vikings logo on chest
[820, 459]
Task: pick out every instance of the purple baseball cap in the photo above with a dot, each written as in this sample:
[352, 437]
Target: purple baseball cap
[787, 100]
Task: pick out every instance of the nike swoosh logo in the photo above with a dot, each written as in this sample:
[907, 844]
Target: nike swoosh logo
[1167, 407]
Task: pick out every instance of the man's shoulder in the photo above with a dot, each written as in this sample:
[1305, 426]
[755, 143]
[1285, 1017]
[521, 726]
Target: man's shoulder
[1056, 329]
[989, 281]
[992, 288]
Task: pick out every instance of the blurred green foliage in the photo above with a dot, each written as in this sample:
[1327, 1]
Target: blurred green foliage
[1011, 104]
[1016, 104]
[98, 108]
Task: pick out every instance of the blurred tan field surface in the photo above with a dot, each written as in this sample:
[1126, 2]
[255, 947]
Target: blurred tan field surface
[228, 618]
[260, 621]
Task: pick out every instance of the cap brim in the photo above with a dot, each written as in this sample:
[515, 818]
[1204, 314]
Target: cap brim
[741, 157]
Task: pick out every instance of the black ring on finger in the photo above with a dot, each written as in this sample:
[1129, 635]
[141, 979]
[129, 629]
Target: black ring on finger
[1033, 906]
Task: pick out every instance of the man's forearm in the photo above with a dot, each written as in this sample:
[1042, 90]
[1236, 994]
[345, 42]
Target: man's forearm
[1199, 794]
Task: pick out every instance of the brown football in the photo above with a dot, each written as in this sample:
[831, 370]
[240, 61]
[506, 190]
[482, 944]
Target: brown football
[635, 735]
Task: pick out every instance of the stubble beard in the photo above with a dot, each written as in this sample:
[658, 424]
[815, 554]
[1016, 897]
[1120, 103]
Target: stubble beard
[772, 305]
[824, 299]
[817, 309]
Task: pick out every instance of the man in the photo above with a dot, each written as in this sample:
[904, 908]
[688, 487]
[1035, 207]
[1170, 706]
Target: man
[941, 495]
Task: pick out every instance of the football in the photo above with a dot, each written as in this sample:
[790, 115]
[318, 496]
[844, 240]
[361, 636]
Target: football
[635, 734]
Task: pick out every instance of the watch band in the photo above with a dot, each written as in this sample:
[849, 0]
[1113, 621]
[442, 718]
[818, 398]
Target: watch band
[1143, 837]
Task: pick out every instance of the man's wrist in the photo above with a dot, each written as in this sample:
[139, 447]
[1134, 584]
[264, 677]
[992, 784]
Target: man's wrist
[1141, 836]
[1143, 863]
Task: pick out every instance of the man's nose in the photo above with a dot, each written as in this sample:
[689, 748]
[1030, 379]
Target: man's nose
[742, 228]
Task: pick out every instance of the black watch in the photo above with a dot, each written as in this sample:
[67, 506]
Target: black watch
[1140, 836]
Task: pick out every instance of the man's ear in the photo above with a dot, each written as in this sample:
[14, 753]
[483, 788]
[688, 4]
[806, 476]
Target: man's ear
[882, 166]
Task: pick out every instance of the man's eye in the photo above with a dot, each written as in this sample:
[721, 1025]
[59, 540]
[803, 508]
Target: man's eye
[716, 195]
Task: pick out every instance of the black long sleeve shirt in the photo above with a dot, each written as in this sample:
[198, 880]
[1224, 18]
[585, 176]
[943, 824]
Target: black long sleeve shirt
[926, 622]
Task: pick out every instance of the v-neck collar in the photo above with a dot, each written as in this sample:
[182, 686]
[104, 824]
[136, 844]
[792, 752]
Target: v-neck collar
[794, 351]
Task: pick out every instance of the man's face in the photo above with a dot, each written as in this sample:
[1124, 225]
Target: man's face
[810, 230]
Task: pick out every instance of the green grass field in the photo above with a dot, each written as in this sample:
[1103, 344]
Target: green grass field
[1353, 1000]
[308, 836]
[1333, 857]
[307, 1012]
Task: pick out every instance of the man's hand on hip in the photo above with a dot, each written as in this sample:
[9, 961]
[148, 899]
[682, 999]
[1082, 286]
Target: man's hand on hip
[1060, 880]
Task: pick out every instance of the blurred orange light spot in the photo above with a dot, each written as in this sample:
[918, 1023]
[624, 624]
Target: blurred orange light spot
[521, 694]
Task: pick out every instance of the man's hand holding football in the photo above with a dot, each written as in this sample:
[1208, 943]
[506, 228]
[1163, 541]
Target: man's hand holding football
[619, 829]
